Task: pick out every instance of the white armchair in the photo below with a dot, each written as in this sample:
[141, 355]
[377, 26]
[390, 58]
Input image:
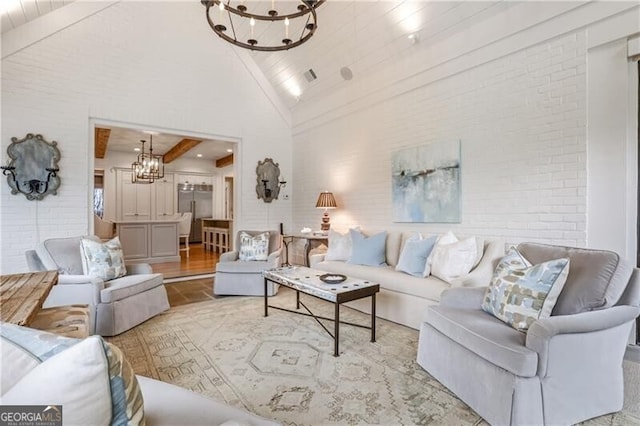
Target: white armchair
[236, 277]
[565, 369]
[116, 305]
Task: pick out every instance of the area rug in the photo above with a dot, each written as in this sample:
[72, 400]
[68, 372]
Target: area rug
[282, 366]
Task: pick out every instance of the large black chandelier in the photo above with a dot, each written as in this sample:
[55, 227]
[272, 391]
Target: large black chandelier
[148, 167]
[242, 22]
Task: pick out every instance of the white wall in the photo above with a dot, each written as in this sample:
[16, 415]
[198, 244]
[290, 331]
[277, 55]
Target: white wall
[123, 64]
[518, 103]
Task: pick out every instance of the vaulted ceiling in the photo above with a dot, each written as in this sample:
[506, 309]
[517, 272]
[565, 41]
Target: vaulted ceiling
[354, 38]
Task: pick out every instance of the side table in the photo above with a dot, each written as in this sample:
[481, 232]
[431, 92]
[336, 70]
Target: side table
[311, 241]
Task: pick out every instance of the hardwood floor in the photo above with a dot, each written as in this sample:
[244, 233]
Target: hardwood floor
[200, 262]
[182, 293]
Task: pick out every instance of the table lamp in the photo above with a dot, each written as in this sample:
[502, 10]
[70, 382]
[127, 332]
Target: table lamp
[326, 202]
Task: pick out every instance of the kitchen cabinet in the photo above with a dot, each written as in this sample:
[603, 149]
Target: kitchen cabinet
[133, 199]
[165, 195]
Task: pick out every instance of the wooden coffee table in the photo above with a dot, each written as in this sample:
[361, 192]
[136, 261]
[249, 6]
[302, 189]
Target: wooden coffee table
[22, 295]
[306, 280]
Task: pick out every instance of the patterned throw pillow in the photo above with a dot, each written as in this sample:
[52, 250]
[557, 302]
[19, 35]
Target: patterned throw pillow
[254, 248]
[521, 293]
[103, 260]
[73, 371]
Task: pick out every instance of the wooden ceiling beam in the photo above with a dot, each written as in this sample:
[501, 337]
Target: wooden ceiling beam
[101, 141]
[225, 161]
[179, 149]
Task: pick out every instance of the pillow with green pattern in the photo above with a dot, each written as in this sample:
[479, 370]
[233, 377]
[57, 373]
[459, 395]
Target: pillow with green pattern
[520, 293]
[103, 260]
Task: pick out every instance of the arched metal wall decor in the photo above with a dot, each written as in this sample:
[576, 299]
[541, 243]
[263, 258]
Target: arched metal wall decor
[33, 167]
[268, 181]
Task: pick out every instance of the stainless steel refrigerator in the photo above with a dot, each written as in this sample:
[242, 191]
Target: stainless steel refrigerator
[197, 199]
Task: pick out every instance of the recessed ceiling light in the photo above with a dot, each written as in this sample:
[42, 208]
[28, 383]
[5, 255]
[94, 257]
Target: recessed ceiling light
[198, 155]
[413, 37]
[229, 150]
[136, 149]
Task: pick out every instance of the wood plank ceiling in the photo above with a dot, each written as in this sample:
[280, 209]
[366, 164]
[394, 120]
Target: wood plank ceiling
[353, 37]
[18, 12]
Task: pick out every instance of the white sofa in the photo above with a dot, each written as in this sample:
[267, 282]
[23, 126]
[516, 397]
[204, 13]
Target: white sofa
[403, 298]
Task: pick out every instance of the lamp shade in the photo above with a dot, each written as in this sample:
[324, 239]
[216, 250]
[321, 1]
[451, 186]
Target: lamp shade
[326, 201]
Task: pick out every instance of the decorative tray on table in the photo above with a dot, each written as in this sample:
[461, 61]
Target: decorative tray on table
[332, 278]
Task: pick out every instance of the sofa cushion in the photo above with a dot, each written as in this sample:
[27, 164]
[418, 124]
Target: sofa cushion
[126, 286]
[243, 267]
[368, 250]
[102, 260]
[521, 293]
[596, 280]
[486, 336]
[415, 252]
[389, 279]
[393, 247]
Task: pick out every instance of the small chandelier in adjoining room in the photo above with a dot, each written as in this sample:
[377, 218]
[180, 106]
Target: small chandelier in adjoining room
[148, 167]
[298, 22]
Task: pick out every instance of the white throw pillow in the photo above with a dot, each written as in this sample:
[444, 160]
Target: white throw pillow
[447, 238]
[453, 260]
[102, 260]
[76, 378]
[254, 248]
[339, 246]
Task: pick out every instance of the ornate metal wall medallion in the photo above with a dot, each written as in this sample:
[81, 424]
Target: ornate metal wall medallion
[33, 167]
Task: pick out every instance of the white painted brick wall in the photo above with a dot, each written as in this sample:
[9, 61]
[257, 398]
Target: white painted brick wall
[132, 63]
[522, 122]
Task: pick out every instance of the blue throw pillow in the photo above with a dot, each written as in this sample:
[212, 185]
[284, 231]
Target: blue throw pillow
[413, 257]
[368, 251]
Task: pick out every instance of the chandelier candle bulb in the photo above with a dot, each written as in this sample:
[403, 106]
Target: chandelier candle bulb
[286, 27]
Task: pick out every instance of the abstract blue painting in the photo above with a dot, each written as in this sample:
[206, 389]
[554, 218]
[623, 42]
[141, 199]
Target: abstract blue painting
[425, 182]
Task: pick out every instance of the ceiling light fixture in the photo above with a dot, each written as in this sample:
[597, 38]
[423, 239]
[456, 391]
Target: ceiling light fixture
[236, 15]
[199, 155]
[148, 167]
[229, 150]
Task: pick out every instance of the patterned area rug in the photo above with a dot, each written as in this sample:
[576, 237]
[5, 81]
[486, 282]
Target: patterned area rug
[282, 366]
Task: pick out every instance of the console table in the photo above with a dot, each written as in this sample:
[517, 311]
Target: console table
[311, 241]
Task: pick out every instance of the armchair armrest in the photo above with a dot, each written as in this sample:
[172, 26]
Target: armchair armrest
[75, 289]
[139, 268]
[275, 258]
[316, 258]
[603, 325]
[463, 297]
[64, 279]
[230, 256]
[481, 275]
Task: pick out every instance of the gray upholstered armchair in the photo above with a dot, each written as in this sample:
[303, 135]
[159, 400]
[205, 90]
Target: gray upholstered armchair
[116, 305]
[236, 277]
[564, 369]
